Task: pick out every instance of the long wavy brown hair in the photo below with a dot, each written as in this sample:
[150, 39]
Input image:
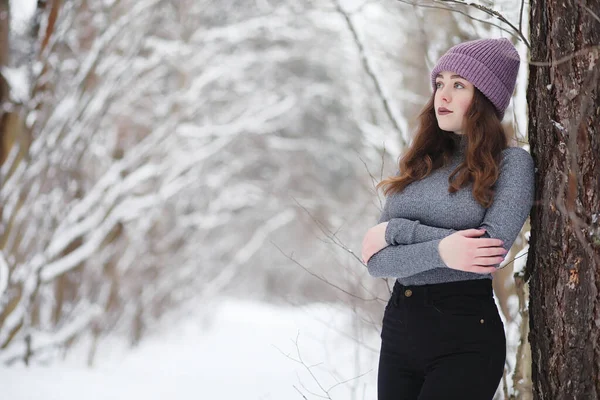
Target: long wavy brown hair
[432, 148]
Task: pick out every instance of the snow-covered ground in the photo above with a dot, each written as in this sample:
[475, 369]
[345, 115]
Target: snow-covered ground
[242, 355]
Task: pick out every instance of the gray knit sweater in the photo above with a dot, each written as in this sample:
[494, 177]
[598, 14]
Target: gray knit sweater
[424, 213]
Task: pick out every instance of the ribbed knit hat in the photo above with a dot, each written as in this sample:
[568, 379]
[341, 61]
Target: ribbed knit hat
[491, 65]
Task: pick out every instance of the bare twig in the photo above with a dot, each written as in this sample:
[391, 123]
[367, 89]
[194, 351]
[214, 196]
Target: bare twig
[479, 7]
[513, 260]
[521, 16]
[586, 8]
[322, 279]
[350, 379]
[376, 326]
[373, 180]
[369, 70]
[330, 234]
[493, 13]
[301, 394]
[441, 7]
[309, 368]
[564, 59]
[334, 239]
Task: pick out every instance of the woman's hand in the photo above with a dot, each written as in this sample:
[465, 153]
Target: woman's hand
[373, 241]
[465, 252]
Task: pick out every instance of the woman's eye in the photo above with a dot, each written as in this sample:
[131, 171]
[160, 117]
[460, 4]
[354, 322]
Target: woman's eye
[456, 85]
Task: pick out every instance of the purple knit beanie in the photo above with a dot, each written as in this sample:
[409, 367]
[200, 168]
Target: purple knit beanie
[491, 65]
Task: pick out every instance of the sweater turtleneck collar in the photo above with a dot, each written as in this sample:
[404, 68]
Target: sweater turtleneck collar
[462, 144]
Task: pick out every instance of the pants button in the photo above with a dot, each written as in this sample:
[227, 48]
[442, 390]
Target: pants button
[408, 292]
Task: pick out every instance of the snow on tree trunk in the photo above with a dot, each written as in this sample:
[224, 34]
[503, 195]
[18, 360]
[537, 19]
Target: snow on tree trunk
[563, 264]
[4, 28]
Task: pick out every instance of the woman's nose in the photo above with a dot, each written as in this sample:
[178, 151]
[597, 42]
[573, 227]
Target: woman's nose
[445, 95]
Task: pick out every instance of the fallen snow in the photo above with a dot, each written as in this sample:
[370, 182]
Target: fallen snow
[240, 356]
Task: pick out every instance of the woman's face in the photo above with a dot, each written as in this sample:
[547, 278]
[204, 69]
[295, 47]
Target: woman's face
[453, 97]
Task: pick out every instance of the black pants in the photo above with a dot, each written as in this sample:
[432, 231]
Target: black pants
[441, 341]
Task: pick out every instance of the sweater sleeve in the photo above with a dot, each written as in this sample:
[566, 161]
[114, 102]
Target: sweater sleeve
[513, 198]
[402, 261]
[405, 231]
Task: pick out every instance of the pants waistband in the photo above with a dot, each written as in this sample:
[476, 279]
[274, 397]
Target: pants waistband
[427, 293]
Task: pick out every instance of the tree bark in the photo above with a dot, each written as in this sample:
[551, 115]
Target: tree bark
[563, 263]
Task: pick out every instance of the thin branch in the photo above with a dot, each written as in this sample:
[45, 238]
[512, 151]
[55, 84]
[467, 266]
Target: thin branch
[301, 394]
[564, 59]
[322, 279]
[382, 162]
[373, 180]
[479, 7]
[503, 19]
[493, 13]
[308, 390]
[586, 8]
[309, 369]
[336, 241]
[350, 379]
[446, 8]
[513, 260]
[521, 16]
[369, 70]
[330, 234]
[376, 326]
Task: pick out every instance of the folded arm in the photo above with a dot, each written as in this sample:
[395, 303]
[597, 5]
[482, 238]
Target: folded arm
[504, 219]
[513, 199]
[401, 261]
[405, 231]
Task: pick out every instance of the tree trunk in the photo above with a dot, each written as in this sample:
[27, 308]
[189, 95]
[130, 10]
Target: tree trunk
[4, 29]
[563, 262]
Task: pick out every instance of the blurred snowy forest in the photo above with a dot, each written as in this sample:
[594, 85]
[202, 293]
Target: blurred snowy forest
[158, 154]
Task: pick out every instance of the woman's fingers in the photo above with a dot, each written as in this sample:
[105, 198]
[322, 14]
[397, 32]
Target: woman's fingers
[490, 251]
[487, 257]
[480, 255]
[485, 242]
[488, 260]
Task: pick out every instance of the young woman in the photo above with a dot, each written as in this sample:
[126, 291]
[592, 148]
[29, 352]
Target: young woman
[452, 212]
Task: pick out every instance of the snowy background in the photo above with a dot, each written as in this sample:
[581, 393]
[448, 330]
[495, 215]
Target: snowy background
[190, 185]
[252, 350]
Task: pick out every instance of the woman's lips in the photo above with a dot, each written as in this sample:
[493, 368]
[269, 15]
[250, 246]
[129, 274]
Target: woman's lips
[444, 112]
